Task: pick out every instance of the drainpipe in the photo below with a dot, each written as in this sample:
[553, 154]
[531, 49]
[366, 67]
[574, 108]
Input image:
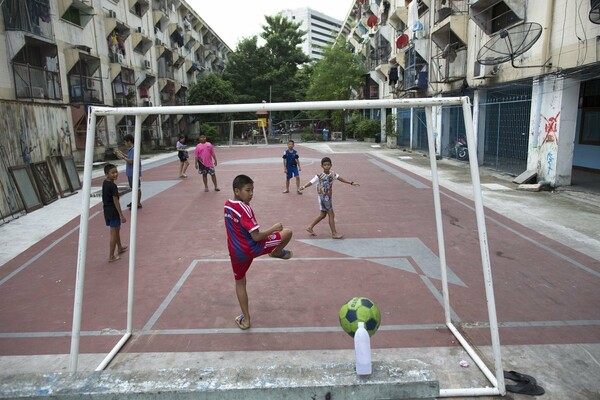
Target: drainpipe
[548, 28]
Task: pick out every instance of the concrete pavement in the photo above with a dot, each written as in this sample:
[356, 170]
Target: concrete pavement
[566, 370]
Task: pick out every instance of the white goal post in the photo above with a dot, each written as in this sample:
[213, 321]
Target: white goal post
[496, 378]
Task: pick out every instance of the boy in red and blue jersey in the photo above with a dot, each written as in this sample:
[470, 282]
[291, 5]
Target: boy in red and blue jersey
[246, 242]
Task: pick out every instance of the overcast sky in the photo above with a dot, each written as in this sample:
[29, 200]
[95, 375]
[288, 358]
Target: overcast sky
[233, 20]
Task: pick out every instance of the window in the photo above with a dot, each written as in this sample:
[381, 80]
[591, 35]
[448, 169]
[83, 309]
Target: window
[589, 103]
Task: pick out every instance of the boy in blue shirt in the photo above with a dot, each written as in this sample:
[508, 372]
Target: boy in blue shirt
[291, 166]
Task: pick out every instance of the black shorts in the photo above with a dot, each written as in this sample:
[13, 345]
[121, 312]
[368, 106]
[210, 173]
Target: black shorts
[183, 155]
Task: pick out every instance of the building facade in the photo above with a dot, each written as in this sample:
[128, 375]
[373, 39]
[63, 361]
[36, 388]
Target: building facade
[62, 56]
[321, 30]
[531, 70]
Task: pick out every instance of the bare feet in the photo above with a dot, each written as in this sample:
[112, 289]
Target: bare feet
[113, 259]
[337, 236]
[312, 233]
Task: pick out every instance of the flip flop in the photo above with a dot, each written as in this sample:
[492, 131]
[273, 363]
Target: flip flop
[117, 258]
[123, 250]
[299, 192]
[217, 190]
[239, 320]
[526, 388]
[284, 255]
[518, 377]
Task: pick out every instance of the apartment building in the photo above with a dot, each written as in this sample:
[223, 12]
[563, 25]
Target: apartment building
[321, 30]
[531, 70]
[62, 56]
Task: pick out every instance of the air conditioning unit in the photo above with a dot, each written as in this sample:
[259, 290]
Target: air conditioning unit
[147, 64]
[120, 58]
[481, 71]
[37, 92]
[112, 14]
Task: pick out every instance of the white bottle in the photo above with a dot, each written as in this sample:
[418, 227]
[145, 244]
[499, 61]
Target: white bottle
[362, 348]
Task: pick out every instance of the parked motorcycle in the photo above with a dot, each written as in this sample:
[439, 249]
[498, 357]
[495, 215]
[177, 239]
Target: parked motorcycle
[459, 149]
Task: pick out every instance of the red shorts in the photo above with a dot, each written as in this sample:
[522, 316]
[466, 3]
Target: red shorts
[241, 267]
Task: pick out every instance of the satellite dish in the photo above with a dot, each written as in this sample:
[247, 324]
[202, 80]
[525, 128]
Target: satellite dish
[509, 43]
[595, 11]
[372, 21]
[402, 41]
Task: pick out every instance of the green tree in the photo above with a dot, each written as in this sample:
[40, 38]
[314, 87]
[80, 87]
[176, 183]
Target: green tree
[210, 89]
[334, 77]
[271, 71]
[336, 74]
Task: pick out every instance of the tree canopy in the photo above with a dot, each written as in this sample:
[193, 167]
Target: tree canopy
[271, 71]
[211, 88]
[336, 74]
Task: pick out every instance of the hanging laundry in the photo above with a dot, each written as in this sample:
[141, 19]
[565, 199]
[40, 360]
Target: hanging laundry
[393, 75]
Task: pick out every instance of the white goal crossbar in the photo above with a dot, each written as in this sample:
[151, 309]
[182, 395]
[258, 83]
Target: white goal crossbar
[495, 378]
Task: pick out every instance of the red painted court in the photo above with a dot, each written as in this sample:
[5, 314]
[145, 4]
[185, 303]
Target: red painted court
[184, 288]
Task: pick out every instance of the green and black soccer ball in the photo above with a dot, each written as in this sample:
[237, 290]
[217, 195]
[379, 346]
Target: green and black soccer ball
[359, 309]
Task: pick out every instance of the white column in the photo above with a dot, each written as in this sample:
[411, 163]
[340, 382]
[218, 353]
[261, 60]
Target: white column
[552, 129]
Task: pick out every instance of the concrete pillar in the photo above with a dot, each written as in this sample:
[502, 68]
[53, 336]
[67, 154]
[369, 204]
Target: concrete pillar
[552, 129]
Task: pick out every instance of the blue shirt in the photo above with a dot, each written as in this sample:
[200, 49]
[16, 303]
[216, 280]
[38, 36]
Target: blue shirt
[291, 158]
[128, 166]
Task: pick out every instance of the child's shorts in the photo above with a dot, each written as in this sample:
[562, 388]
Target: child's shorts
[241, 267]
[113, 223]
[325, 203]
[291, 172]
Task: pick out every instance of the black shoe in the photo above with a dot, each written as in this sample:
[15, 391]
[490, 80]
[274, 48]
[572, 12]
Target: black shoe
[129, 205]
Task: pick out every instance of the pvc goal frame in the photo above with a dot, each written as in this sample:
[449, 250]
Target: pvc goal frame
[495, 378]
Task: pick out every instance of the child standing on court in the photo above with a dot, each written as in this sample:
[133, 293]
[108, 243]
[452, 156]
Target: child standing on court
[113, 215]
[291, 166]
[324, 182]
[206, 161]
[183, 156]
[129, 140]
[246, 242]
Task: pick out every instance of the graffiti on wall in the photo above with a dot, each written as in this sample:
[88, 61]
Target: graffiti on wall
[551, 130]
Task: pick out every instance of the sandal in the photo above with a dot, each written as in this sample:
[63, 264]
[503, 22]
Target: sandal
[239, 320]
[284, 255]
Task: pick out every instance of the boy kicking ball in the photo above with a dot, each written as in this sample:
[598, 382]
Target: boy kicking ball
[246, 242]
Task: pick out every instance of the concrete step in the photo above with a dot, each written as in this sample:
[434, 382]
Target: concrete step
[405, 379]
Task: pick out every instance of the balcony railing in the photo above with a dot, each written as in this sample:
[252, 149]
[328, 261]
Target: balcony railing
[36, 82]
[31, 16]
[86, 89]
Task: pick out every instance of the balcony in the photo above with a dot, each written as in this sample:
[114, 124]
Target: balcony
[449, 65]
[78, 12]
[140, 41]
[139, 7]
[30, 16]
[85, 89]
[451, 24]
[494, 15]
[36, 82]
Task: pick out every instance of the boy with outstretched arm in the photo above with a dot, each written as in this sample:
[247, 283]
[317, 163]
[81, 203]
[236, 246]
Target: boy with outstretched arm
[113, 215]
[324, 182]
[246, 242]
